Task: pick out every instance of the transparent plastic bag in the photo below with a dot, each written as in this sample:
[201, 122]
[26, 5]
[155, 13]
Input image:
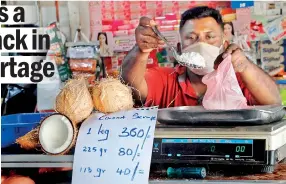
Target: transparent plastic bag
[223, 91]
[81, 52]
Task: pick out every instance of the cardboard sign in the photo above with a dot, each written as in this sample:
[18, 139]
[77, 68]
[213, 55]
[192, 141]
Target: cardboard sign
[115, 148]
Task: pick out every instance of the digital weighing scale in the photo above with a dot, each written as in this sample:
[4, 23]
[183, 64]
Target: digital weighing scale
[254, 137]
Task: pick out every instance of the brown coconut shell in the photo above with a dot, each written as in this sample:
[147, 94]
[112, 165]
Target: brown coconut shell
[110, 95]
[73, 142]
[18, 180]
[30, 140]
[74, 100]
[3, 178]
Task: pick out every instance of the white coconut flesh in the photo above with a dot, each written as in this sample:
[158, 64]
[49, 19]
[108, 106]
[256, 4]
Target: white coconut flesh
[56, 134]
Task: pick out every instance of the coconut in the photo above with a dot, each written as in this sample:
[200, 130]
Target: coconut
[3, 178]
[110, 95]
[74, 100]
[57, 134]
[18, 180]
[30, 140]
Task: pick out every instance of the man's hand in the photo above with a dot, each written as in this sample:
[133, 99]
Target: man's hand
[239, 60]
[146, 39]
[261, 82]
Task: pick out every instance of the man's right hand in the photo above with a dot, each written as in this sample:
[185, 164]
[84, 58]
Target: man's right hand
[146, 39]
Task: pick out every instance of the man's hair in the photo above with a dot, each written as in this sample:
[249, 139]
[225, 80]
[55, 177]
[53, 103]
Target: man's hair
[200, 12]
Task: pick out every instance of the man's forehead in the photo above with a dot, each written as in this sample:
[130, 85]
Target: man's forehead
[203, 24]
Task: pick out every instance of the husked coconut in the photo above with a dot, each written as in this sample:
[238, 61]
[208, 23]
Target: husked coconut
[74, 100]
[110, 95]
[57, 134]
[29, 141]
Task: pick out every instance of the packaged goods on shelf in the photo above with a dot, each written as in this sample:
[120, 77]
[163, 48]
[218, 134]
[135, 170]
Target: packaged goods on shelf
[106, 28]
[131, 32]
[125, 27]
[134, 22]
[88, 76]
[83, 65]
[84, 61]
[171, 16]
[56, 40]
[57, 52]
[80, 52]
[124, 43]
[272, 55]
[120, 33]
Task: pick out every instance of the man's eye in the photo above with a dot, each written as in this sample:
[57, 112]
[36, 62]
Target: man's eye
[210, 37]
[192, 37]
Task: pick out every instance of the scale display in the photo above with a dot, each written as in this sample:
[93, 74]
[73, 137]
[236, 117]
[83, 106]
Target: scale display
[209, 150]
[215, 147]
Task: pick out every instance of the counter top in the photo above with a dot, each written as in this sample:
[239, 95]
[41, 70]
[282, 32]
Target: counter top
[277, 177]
[278, 174]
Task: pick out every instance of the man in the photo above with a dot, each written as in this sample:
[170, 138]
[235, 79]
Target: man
[168, 87]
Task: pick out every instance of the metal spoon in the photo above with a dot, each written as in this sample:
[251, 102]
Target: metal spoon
[159, 34]
[174, 51]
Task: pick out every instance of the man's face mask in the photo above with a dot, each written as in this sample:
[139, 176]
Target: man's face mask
[208, 52]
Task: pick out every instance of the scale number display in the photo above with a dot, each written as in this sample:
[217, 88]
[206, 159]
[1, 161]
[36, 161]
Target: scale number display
[207, 147]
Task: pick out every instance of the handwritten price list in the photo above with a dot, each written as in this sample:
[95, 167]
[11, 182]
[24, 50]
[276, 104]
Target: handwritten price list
[115, 148]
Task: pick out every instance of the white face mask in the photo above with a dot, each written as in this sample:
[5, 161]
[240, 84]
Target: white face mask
[208, 52]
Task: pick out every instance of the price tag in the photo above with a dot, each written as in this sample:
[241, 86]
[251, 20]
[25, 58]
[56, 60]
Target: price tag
[115, 148]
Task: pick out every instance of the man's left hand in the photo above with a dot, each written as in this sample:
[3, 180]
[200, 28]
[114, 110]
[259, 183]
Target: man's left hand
[238, 59]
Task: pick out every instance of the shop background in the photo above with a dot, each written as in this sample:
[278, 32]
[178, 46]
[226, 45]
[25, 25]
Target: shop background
[246, 23]
[120, 18]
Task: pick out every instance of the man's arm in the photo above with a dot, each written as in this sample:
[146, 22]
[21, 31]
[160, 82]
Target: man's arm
[134, 64]
[133, 70]
[262, 87]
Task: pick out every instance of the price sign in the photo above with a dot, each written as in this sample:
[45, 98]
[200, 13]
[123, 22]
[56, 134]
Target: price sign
[115, 148]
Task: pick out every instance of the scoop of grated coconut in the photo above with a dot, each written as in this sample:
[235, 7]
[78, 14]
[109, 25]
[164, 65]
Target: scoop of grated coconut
[191, 58]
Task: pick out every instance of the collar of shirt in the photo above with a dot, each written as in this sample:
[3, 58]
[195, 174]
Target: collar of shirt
[184, 82]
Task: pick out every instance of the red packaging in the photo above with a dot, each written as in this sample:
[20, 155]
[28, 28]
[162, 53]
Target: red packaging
[88, 76]
[83, 65]
[153, 61]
